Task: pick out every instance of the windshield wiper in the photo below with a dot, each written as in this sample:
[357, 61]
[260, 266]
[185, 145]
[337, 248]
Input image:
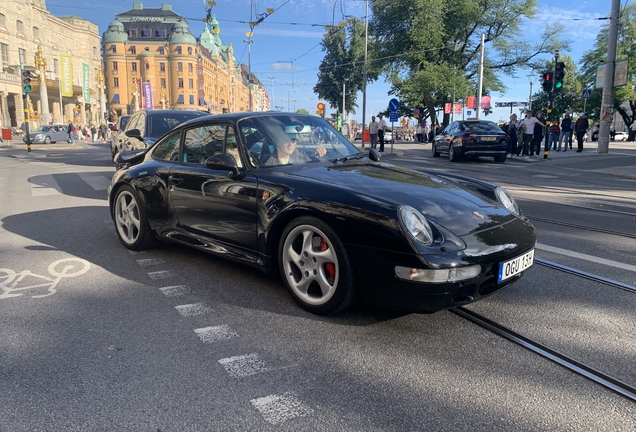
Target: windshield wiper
[350, 157]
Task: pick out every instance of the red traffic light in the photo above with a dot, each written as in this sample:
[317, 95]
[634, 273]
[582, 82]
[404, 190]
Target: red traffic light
[547, 76]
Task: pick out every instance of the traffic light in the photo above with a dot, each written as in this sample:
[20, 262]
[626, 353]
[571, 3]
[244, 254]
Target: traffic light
[548, 80]
[27, 76]
[559, 75]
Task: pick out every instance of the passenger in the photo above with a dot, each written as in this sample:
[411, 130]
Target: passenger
[287, 153]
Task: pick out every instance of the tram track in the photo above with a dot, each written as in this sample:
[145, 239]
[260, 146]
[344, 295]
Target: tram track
[586, 275]
[583, 227]
[626, 390]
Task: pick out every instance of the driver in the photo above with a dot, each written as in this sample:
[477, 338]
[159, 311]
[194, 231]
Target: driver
[287, 153]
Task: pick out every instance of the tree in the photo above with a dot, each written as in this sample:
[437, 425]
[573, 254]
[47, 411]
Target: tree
[302, 111]
[430, 48]
[626, 48]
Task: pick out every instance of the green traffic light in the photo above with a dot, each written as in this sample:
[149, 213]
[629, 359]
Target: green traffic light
[27, 88]
[558, 85]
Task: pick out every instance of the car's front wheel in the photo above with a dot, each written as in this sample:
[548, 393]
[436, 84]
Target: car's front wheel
[131, 222]
[47, 140]
[315, 267]
[435, 152]
[452, 154]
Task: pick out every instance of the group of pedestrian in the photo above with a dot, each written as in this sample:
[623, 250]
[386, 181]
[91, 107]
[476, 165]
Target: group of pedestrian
[376, 132]
[92, 133]
[526, 136]
[422, 132]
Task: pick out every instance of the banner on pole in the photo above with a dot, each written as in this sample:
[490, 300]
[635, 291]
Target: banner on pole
[471, 102]
[147, 93]
[447, 108]
[66, 75]
[457, 107]
[85, 83]
[485, 102]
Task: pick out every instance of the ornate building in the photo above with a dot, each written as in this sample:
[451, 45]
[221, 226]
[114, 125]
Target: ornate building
[152, 60]
[30, 37]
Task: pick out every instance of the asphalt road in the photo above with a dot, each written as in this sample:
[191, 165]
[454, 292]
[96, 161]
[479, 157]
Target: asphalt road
[95, 338]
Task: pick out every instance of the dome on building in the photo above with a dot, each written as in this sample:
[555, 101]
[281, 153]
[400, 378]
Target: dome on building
[115, 33]
[146, 53]
[181, 34]
[208, 42]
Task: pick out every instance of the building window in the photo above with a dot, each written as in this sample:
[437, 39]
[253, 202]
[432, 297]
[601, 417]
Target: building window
[200, 86]
[147, 66]
[179, 50]
[179, 67]
[163, 82]
[22, 55]
[116, 98]
[94, 51]
[114, 65]
[56, 66]
[5, 52]
[36, 33]
[132, 33]
[180, 81]
[113, 48]
[134, 67]
[162, 67]
[190, 50]
[115, 82]
[180, 99]
[3, 20]
[145, 33]
[162, 50]
[19, 25]
[190, 67]
[161, 33]
[190, 83]
[133, 50]
[191, 99]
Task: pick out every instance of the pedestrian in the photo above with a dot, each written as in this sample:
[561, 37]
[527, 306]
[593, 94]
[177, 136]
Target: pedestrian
[426, 132]
[632, 132]
[102, 132]
[566, 132]
[537, 138]
[527, 125]
[381, 130]
[94, 132]
[71, 132]
[418, 134]
[581, 126]
[553, 139]
[512, 130]
[373, 132]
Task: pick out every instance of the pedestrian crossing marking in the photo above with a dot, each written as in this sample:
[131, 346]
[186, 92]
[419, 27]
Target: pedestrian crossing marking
[44, 185]
[97, 182]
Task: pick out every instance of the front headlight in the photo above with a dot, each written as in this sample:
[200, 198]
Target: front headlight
[416, 225]
[507, 200]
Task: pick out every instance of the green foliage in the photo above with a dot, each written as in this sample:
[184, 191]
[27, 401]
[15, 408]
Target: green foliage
[302, 111]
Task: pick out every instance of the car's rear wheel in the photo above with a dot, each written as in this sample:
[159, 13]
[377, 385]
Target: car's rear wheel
[131, 222]
[47, 140]
[315, 267]
[452, 154]
[435, 152]
[500, 158]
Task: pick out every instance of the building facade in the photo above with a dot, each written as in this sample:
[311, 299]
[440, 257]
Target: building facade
[151, 60]
[28, 28]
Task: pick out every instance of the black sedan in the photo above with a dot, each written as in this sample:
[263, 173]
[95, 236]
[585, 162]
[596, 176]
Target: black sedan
[472, 138]
[288, 194]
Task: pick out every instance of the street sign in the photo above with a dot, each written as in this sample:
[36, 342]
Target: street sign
[320, 106]
[587, 93]
[393, 116]
[394, 104]
[512, 104]
[416, 112]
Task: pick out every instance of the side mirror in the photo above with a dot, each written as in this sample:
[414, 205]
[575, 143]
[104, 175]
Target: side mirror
[223, 161]
[374, 155]
[134, 133]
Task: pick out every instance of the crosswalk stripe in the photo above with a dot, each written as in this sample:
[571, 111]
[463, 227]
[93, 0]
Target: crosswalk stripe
[97, 182]
[44, 185]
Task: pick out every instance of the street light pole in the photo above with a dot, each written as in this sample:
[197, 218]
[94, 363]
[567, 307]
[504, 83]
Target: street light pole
[272, 80]
[364, 73]
[249, 43]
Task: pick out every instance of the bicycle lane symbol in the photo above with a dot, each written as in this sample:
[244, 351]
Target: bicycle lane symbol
[60, 269]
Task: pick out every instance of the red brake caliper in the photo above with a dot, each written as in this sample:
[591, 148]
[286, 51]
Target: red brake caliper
[329, 267]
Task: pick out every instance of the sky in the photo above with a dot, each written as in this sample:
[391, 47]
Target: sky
[286, 51]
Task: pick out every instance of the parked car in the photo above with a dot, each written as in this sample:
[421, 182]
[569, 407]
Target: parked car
[358, 136]
[472, 138]
[333, 222]
[119, 127]
[48, 134]
[621, 136]
[144, 127]
[594, 134]
[389, 136]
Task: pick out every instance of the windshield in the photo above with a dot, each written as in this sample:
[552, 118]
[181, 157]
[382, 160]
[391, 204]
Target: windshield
[292, 140]
[481, 127]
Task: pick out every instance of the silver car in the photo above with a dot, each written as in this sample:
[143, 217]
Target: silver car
[48, 134]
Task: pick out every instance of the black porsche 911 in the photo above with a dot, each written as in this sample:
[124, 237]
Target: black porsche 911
[288, 194]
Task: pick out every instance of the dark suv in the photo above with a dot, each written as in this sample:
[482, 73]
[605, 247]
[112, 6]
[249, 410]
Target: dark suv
[145, 127]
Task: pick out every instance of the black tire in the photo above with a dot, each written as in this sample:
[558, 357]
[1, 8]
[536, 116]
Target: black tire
[131, 222]
[435, 152]
[315, 267]
[501, 158]
[47, 140]
[452, 154]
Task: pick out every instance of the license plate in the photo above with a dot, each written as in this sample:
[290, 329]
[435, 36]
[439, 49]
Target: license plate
[515, 266]
[488, 138]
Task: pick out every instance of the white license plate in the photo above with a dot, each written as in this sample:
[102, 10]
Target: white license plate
[487, 138]
[515, 266]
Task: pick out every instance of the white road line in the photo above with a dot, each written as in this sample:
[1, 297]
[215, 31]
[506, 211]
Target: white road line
[586, 257]
[164, 274]
[277, 409]
[175, 291]
[44, 185]
[150, 262]
[214, 334]
[132, 252]
[193, 309]
[244, 365]
[97, 182]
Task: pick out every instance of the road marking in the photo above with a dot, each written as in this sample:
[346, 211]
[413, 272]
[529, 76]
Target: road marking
[214, 334]
[44, 185]
[164, 274]
[132, 252]
[150, 262]
[175, 291]
[64, 268]
[277, 409]
[193, 309]
[244, 365]
[97, 182]
[586, 257]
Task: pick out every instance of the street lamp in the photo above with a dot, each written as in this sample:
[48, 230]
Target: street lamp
[364, 71]
[272, 80]
[249, 43]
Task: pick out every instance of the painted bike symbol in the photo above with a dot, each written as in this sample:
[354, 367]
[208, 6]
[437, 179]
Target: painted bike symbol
[60, 269]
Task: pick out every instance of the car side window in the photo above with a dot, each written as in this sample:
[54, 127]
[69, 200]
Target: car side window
[168, 148]
[202, 142]
[141, 125]
[231, 146]
[132, 123]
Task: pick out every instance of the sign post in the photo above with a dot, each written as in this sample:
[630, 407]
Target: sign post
[394, 105]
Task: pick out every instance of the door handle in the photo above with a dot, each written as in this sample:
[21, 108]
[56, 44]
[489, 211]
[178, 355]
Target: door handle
[175, 179]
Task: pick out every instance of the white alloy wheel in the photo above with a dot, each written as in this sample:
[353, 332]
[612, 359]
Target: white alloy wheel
[127, 218]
